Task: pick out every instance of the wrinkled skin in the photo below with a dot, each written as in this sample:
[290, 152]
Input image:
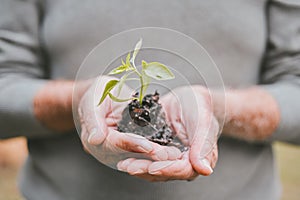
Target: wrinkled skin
[189, 111]
[99, 133]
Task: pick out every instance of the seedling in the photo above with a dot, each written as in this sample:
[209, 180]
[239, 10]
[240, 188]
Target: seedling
[144, 114]
[150, 70]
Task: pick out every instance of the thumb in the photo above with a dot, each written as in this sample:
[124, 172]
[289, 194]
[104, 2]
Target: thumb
[97, 134]
[202, 145]
[93, 127]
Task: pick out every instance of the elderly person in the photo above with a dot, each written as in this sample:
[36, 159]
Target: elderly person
[42, 43]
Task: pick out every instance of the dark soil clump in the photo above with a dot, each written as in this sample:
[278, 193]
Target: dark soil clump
[148, 120]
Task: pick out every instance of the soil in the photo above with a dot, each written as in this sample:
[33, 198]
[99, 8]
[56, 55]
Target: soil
[148, 120]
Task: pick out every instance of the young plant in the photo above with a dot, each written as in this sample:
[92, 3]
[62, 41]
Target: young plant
[150, 70]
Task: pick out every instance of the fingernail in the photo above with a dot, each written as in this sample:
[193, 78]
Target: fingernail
[155, 172]
[159, 166]
[206, 164]
[139, 171]
[145, 146]
[119, 165]
[92, 134]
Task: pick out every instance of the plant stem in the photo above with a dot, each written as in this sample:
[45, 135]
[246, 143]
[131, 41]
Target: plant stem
[141, 80]
[141, 90]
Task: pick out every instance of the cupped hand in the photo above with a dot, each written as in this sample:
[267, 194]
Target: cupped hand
[190, 113]
[99, 133]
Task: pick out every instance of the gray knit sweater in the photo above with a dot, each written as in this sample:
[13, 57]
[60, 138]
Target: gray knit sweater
[252, 42]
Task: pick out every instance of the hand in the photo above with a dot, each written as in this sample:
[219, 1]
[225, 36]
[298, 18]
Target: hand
[195, 125]
[189, 111]
[99, 133]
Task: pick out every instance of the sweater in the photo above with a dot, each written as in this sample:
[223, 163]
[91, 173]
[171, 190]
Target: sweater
[253, 42]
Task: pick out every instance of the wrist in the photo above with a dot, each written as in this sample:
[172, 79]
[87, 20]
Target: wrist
[53, 105]
[250, 114]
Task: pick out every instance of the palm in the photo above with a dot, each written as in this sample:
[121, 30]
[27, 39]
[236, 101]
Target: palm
[99, 133]
[189, 113]
[193, 122]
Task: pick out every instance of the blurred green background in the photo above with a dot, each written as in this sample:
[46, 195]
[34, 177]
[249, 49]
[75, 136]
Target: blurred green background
[13, 153]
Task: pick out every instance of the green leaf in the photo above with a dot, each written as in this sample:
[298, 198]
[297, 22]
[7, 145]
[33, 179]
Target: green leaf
[144, 64]
[128, 59]
[119, 70]
[157, 71]
[124, 67]
[109, 86]
[123, 63]
[116, 99]
[136, 49]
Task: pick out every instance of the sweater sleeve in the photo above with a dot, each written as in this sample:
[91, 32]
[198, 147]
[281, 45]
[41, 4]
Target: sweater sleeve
[22, 71]
[281, 69]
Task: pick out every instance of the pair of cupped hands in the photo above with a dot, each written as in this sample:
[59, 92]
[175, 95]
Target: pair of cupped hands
[189, 112]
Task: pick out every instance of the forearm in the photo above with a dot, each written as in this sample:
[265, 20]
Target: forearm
[53, 105]
[250, 114]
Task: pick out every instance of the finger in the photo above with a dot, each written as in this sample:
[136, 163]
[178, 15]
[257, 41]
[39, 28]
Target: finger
[173, 153]
[166, 102]
[175, 116]
[160, 153]
[201, 164]
[123, 164]
[115, 115]
[179, 129]
[92, 120]
[95, 115]
[169, 102]
[111, 122]
[203, 156]
[83, 136]
[140, 168]
[214, 157]
[138, 144]
[173, 170]
[178, 169]
[135, 167]
[96, 134]
[128, 142]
